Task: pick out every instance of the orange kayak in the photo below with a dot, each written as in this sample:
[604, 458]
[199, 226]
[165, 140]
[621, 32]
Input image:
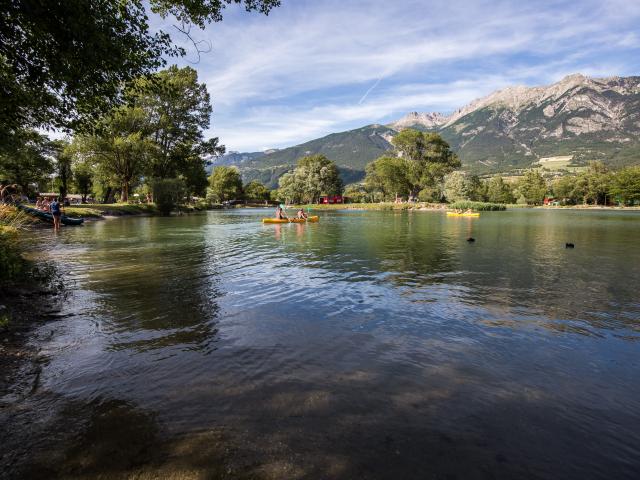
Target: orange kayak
[310, 219]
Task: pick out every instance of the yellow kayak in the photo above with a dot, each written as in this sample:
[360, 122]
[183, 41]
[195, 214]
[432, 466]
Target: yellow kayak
[310, 219]
[456, 214]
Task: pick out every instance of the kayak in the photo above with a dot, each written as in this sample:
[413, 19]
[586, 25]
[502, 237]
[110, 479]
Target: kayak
[310, 219]
[49, 218]
[456, 214]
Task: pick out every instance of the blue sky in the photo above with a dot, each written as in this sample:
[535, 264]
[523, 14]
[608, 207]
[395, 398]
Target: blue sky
[311, 68]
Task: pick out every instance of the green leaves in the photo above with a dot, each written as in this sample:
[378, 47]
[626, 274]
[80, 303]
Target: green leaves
[65, 63]
[532, 187]
[315, 175]
[421, 162]
[255, 190]
[225, 184]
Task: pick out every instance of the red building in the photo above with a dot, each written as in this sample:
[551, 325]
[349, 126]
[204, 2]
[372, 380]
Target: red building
[332, 199]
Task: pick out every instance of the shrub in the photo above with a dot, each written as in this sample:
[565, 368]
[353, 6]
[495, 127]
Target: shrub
[12, 264]
[167, 194]
[478, 206]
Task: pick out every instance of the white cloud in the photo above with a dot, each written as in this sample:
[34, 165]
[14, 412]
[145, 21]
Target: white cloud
[311, 68]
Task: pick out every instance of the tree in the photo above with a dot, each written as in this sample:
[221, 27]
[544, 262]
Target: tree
[179, 110]
[167, 193]
[478, 190]
[532, 187]
[26, 160]
[83, 179]
[225, 183]
[389, 176]
[564, 188]
[430, 158]
[498, 191]
[319, 176]
[457, 187]
[63, 170]
[255, 190]
[590, 186]
[290, 189]
[313, 176]
[63, 63]
[194, 176]
[598, 182]
[357, 193]
[121, 150]
[626, 185]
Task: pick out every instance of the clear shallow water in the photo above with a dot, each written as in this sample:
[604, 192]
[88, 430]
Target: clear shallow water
[369, 345]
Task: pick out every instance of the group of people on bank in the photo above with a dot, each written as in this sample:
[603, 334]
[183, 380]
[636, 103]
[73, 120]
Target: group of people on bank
[55, 207]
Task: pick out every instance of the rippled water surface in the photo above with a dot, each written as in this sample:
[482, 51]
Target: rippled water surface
[369, 345]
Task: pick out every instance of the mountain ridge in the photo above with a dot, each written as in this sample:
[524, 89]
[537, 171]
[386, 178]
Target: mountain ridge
[513, 128]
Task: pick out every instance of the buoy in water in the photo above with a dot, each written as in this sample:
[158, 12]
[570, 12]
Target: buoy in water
[569, 245]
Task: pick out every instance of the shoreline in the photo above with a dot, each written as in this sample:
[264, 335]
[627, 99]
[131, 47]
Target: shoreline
[425, 206]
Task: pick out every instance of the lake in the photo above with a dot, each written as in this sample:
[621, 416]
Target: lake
[368, 345]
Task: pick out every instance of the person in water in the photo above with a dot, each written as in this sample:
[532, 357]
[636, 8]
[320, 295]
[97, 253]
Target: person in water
[56, 212]
[301, 214]
[280, 214]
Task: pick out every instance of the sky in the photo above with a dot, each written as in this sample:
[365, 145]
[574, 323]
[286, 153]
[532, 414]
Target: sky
[314, 67]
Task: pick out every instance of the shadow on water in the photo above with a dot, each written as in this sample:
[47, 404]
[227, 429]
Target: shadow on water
[439, 426]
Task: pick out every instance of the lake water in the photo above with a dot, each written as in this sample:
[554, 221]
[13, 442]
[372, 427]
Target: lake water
[368, 345]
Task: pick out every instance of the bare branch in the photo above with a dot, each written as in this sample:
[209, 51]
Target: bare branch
[185, 29]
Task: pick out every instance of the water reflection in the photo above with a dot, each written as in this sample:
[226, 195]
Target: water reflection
[368, 345]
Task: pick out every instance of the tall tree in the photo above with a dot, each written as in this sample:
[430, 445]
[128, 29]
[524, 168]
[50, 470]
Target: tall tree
[63, 62]
[225, 183]
[121, 149]
[457, 187]
[83, 179]
[319, 175]
[626, 185]
[389, 176]
[27, 160]
[254, 190]
[498, 191]
[62, 162]
[179, 110]
[430, 158]
[313, 176]
[532, 187]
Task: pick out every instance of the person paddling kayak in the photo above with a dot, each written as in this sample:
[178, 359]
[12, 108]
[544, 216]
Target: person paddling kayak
[280, 214]
[302, 215]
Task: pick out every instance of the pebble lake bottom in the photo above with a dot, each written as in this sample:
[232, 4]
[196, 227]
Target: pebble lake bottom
[372, 345]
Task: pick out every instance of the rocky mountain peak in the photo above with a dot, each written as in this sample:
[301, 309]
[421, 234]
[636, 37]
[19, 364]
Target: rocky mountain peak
[426, 119]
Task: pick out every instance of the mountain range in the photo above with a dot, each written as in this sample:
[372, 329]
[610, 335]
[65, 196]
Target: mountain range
[578, 118]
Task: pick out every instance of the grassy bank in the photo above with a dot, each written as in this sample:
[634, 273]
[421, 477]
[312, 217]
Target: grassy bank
[478, 206]
[112, 210]
[20, 278]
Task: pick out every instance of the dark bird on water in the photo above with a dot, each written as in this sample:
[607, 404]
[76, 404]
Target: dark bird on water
[471, 239]
[569, 245]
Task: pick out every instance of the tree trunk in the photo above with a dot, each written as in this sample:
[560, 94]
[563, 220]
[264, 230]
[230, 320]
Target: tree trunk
[125, 192]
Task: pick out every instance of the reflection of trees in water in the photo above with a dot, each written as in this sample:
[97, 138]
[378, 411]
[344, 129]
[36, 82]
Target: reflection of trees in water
[412, 248]
[155, 285]
[524, 269]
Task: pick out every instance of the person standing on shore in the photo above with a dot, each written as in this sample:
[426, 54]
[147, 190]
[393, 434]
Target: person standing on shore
[56, 212]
